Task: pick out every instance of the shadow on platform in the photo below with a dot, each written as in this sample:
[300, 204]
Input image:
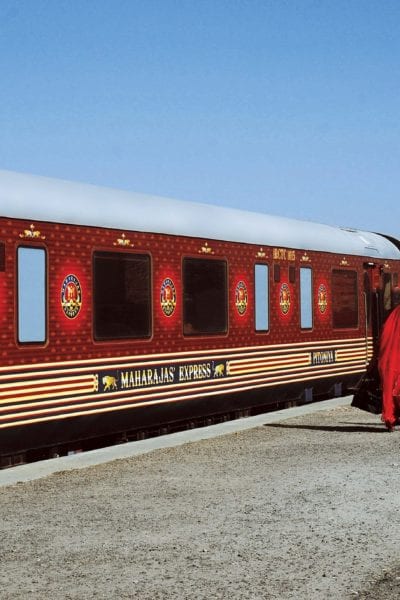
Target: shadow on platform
[345, 428]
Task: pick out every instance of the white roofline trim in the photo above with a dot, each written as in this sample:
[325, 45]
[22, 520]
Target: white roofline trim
[31, 197]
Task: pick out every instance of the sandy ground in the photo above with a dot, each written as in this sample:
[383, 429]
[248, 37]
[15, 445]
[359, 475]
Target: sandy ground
[307, 508]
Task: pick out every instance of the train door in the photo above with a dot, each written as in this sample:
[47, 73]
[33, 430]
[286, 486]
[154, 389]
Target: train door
[373, 303]
[389, 292]
[380, 298]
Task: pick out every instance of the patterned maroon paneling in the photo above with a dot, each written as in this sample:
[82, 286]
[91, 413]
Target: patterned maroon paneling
[70, 250]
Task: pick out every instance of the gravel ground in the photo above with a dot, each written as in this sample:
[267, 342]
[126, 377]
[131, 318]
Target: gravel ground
[306, 508]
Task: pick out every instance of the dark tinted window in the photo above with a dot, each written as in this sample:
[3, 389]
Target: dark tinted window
[121, 296]
[204, 296]
[344, 299]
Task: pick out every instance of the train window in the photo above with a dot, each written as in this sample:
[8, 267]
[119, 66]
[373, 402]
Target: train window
[2, 257]
[205, 296]
[368, 297]
[121, 296]
[261, 296]
[292, 274]
[306, 307]
[344, 299]
[277, 273]
[396, 290]
[387, 294]
[32, 295]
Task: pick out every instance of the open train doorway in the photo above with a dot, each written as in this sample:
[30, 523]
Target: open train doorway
[382, 294]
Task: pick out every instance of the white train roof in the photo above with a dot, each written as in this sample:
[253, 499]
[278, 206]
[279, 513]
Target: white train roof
[31, 197]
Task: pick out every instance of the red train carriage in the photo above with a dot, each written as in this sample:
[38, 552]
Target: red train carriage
[122, 312]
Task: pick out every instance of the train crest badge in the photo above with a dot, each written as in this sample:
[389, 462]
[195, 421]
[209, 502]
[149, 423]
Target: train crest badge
[322, 298]
[241, 298]
[71, 296]
[284, 298]
[168, 297]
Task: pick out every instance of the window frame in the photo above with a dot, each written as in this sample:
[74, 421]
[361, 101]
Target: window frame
[128, 338]
[44, 299]
[310, 304]
[344, 327]
[267, 297]
[215, 259]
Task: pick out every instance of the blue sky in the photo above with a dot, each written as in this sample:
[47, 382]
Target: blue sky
[287, 107]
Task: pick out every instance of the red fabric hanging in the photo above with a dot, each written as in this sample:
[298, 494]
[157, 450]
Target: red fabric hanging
[389, 367]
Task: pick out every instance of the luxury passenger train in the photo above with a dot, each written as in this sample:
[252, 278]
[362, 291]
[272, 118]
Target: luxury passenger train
[121, 311]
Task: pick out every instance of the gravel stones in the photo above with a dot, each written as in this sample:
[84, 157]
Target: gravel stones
[306, 508]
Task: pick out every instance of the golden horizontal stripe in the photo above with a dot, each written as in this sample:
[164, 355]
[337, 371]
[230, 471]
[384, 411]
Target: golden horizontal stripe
[277, 367]
[42, 384]
[230, 384]
[40, 388]
[182, 356]
[129, 366]
[6, 405]
[351, 357]
[151, 403]
[271, 361]
[320, 370]
[349, 352]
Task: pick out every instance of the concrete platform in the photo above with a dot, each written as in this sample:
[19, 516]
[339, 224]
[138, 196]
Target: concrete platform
[83, 460]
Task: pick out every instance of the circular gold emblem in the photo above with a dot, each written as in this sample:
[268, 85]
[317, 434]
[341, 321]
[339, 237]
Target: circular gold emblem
[168, 297]
[71, 296]
[284, 298]
[241, 298]
[322, 298]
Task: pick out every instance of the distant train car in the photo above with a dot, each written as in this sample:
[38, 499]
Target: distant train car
[121, 312]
